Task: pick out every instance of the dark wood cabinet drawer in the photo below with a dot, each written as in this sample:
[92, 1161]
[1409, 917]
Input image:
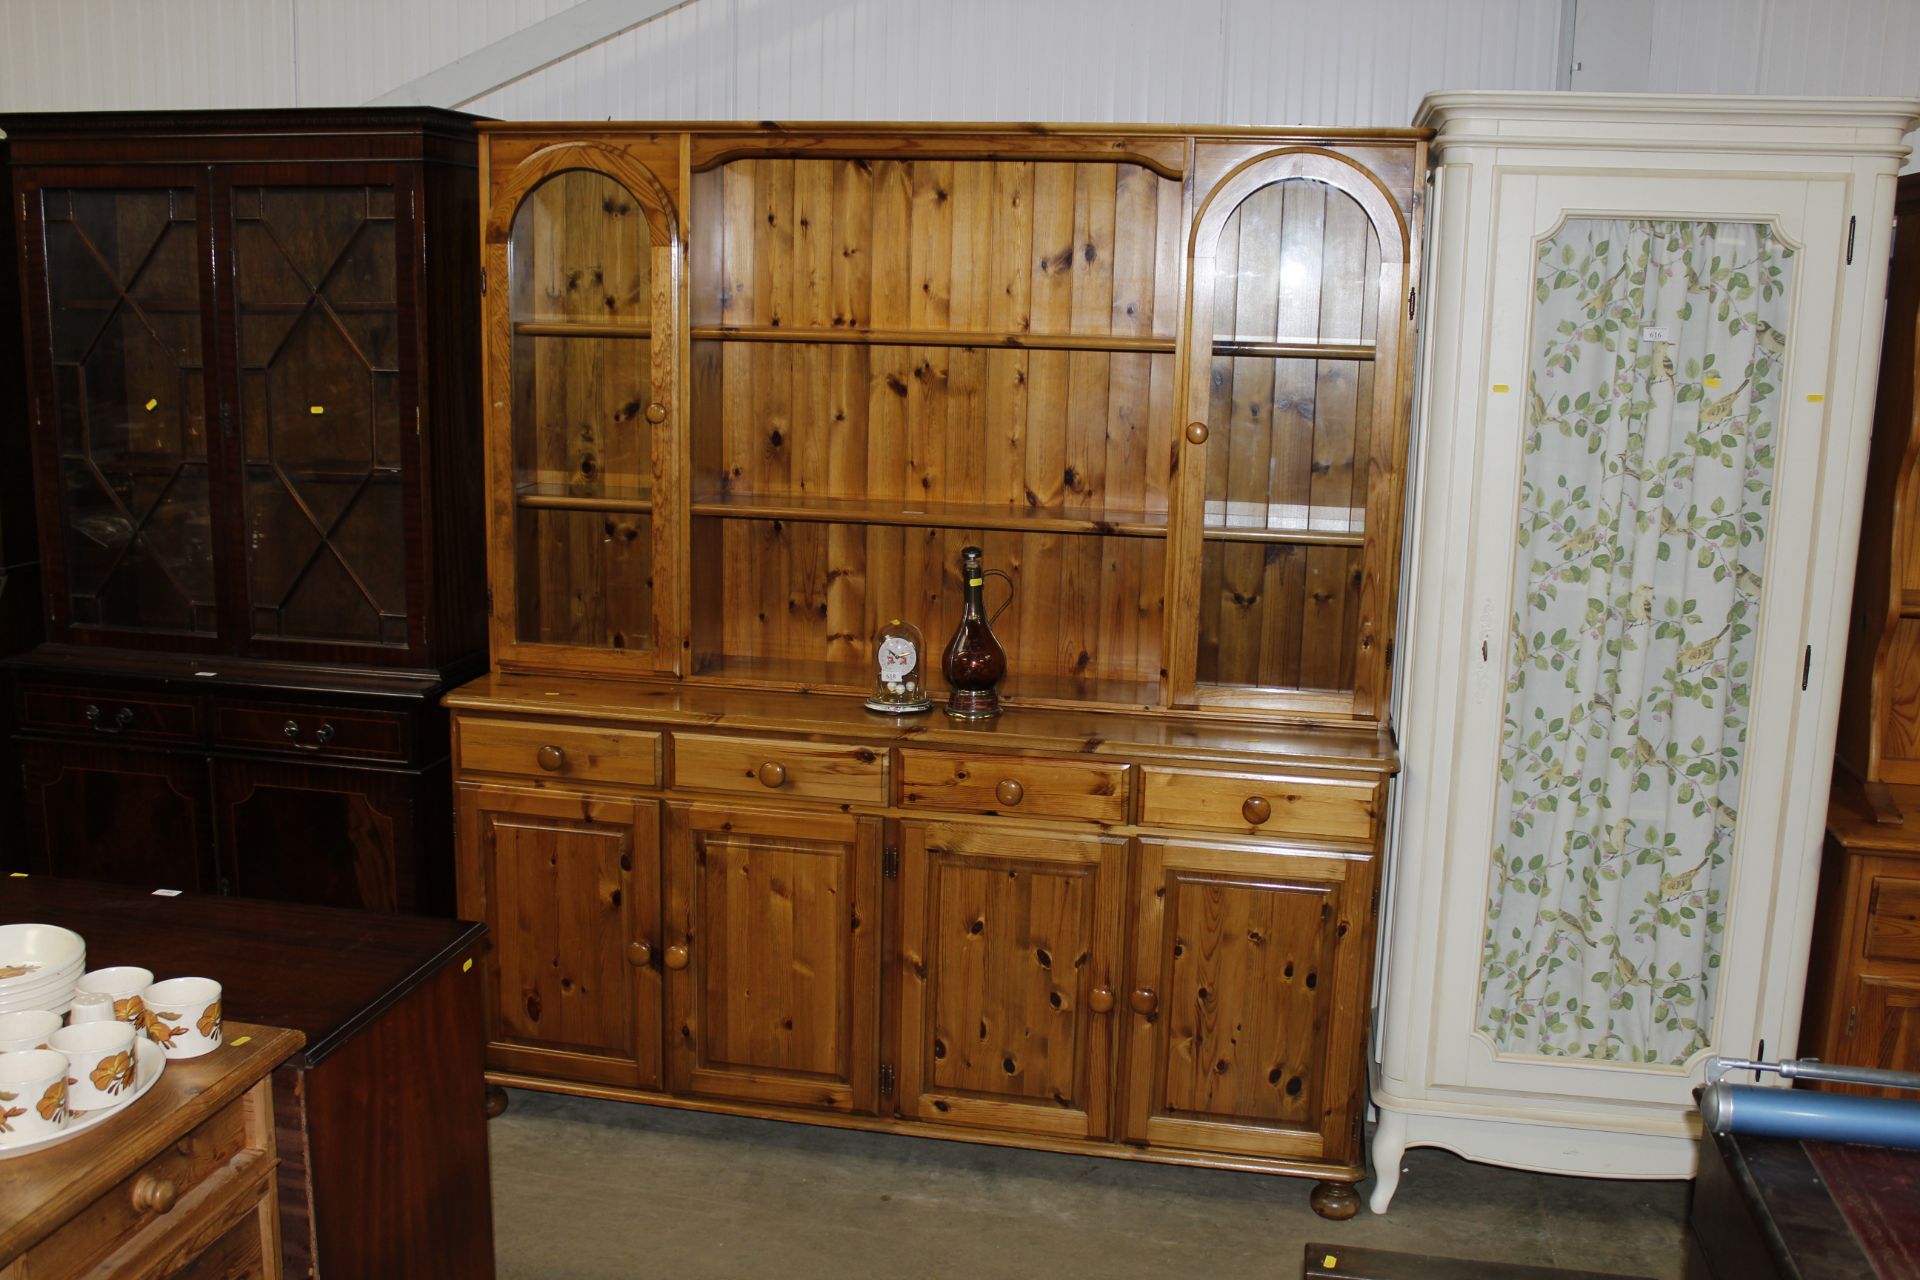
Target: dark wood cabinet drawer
[1269, 804]
[1092, 790]
[129, 716]
[349, 732]
[1893, 919]
[767, 766]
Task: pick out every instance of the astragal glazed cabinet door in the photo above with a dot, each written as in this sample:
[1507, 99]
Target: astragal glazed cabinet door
[569, 887]
[773, 955]
[583, 248]
[1010, 951]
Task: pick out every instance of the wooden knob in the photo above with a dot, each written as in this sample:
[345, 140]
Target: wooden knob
[1197, 432]
[677, 956]
[1100, 1000]
[1144, 1000]
[656, 412]
[773, 774]
[639, 954]
[154, 1193]
[1256, 810]
[551, 758]
[1009, 792]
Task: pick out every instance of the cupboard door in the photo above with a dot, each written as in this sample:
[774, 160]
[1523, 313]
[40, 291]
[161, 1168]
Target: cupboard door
[118, 340]
[1009, 959]
[319, 834]
[1248, 999]
[1883, 1029]
[772, 955]
[569, 888]
[324, 391]
[118, 814]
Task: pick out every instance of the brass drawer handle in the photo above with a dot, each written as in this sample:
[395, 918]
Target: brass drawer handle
[1197, 432]
[639, 954]
[1256, 810]
[677, 956]
[1100, 1000]
[551, 758]
[1009, 792]
[773, 774]
[121, 719]
[155, 1193]
[1144, 1001]
[321, 736]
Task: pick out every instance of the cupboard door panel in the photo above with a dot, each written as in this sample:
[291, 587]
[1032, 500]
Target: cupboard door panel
[322, 835]
[1883, 1029]
[569, 887]
[118, 814]
[772, 956]
[1010, 949]
[1247, 1003]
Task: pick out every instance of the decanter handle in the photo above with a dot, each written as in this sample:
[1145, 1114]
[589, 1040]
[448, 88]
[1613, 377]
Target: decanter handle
[1007, 578]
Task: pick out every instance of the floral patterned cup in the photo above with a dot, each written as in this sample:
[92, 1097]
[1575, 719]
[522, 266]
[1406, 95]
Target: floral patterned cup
[100, 1064]
[124, 983]
[33, 1095]
[183, 1016]
[27, 1029]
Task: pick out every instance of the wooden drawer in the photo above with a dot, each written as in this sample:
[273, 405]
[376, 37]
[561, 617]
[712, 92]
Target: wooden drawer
[625, 757]
[1893, 919]
[110, 714]
[1270, 804]
[1092, 790]
[311, 730]
[771, 766]
[217, 1149]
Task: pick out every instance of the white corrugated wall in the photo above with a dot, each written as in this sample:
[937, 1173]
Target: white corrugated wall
[1229, 61]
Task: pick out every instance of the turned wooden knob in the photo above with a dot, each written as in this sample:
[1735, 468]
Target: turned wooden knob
[1144, 1000]
[1197, 432]
[1256, 810]
[1009, 792]
[155, 1193]
[1100, 1000]
[677, 956]
[639, 954]
[773, 774]
[551, 758]
[656, 412]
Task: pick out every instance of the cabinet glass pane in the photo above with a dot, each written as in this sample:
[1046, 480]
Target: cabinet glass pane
[1290, 419]
[1656, 356]
[582, 376]
[317, 326]
[123, 287]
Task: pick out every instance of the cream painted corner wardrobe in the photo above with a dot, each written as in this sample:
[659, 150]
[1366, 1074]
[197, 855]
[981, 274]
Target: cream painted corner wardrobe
[1652, 329]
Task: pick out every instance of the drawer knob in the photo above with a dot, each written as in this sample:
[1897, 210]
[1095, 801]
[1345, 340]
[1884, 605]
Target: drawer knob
[154, 1193]
[639, 954]
[1256, 810]
[773, 774]
[121, 719]
[656, 412]
[1100, 1000]
[551, 758]
[1009, 792]
[1197, 432]
[677, 956]
[1144, 1001]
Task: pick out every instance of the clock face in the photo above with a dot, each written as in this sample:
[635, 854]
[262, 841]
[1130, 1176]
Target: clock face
[897, 658]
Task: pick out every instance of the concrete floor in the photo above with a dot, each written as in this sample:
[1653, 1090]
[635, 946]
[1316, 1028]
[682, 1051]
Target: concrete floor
[606, 1189]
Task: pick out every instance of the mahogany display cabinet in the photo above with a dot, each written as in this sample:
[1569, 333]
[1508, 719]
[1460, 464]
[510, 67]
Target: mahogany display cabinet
[750, 391]
[252, 382]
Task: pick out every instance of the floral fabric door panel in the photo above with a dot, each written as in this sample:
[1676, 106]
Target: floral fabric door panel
[1655, 363]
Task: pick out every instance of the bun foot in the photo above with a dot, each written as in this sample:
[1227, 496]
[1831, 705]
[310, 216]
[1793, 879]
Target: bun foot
[497, 1101]
[1336, 1200]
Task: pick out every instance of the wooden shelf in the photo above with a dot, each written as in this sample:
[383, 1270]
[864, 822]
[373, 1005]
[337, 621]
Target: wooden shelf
[553, 497]
[1297, 537]
[1294, 350]
[819, 676]
[579, 329]
[1011, 340]
[935, 515]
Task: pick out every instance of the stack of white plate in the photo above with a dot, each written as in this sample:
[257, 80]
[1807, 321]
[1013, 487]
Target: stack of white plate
[40, 964]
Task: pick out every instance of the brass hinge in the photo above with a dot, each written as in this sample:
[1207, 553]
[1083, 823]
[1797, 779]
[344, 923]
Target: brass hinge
[886, 1078]
[489, 597]
[1852, 1014]
[1413, 296]
[1375, 908]
[890, 868]
[483, 282]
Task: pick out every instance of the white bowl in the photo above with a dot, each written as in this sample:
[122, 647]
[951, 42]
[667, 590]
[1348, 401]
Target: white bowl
[27, 950]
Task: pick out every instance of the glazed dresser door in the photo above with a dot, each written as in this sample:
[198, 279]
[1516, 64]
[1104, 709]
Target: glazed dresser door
[318, 274]
[1655, 454]
[119, 336]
